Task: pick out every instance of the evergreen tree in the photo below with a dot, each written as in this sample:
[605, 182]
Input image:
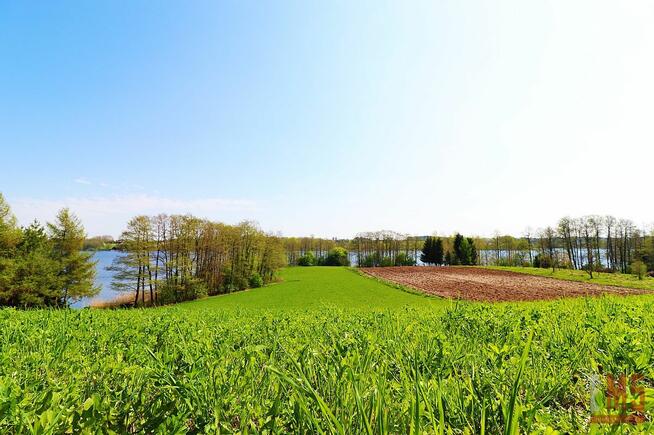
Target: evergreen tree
[448, 258]
[457, 247]
[474, 256]
[462, 251]
[36, 281]
[438, 251]
[427, 255]
[432, 251]
[76, 269]
[464, 258]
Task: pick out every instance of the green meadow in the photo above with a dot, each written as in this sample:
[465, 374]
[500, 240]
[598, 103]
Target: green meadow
[323, 351]
[311, 288]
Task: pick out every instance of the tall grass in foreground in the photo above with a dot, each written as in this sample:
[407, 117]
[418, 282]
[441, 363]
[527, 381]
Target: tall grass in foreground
[471, 368]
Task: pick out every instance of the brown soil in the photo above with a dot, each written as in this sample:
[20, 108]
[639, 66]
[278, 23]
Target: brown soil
[480, 284]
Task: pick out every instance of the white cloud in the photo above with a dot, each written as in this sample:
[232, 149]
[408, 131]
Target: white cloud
[82, 180]
[109, 214]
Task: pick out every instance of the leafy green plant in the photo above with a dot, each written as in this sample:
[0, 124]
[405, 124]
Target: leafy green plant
[337, 257]
[256, 280]
[639, 269]
[372, 360]
[307, 259]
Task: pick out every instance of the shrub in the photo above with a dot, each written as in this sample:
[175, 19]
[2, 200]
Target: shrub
[337, 257]
[255, 280]
[639, 269]
[375, 260]
[307, 259]
[402, 259]
[369, 261]
[542, 261]
[188, 291]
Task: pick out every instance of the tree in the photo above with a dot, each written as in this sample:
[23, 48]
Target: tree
[427, 255]
[438, 251]
[547, 236]
[588, 224]
[472, 252]
[648, 252]
[639, 269]
[461, 249]
[402, 259]
[432, 251]
[10, 235]
[76, 269]
[527, 237]
[134, 269]
[36, 280]
[307, 259]
[9, 232]
[177, 258]
[337, 257]
[382, 248]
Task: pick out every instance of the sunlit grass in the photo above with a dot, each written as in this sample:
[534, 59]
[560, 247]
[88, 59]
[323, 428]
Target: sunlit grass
[326, 351]
[309, 288]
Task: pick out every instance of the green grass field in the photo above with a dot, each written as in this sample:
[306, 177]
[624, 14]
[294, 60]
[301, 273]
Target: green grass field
[615, 279]
[310, 288]
[326, 350]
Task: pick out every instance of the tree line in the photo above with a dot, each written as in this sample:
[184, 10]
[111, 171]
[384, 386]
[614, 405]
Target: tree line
[164, 259]
[592, 243]
[382, 249]
[299, 250]
[174, 258]
[457, 251]
[180, 257]
[385, 248]
[43, 266]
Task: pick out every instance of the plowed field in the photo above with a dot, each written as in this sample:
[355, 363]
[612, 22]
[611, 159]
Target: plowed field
[480, 284]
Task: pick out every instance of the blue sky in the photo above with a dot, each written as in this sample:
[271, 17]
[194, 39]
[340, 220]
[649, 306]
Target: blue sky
[328, 118]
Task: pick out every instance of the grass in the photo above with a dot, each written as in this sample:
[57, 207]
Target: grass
[311, 288]
[325, 351]
[614, 279]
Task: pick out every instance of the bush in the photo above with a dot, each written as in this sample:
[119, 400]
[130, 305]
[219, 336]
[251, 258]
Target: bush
[255, 280]
[337, 257]
[639, 269]
[542, 261]
[307, 259]
[369, 261]
[402, 259]
[190, 290]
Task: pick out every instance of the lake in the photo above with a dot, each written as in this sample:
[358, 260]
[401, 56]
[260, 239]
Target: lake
[103, 278]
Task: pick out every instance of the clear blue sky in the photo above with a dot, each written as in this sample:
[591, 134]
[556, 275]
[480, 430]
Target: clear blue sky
[328, 118]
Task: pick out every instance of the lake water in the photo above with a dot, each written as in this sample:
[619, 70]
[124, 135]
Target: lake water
[103, 278]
